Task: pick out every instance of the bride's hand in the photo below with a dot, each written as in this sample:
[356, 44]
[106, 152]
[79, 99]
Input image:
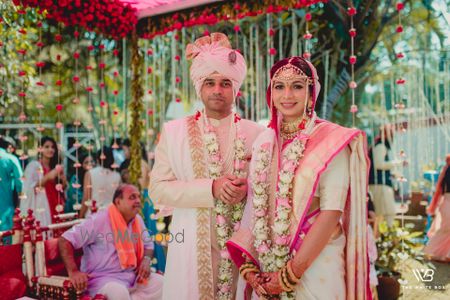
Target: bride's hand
[255, 282]
[271, 283]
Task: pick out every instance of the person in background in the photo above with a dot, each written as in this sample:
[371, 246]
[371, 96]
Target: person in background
[100, 182]
[380, 175]
[10, 183]
[148, 210]
[117, 251]
[76, 182]
[44, 184]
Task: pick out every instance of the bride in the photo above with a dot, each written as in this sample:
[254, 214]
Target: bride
[303, 234]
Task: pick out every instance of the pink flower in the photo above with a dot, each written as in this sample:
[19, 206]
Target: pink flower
[220, 220]
[262, 248]
[289, 166]
[266, 146]
[283, 240]
[283, 202]
[262, 177]
[215, 158]
[225, 288]
[59, 187]
[237, 225]
[260, 213]
[224, 254]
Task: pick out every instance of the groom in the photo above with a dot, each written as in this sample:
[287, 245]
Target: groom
[200, 171]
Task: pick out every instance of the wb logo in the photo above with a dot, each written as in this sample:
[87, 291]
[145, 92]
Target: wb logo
[424, 275]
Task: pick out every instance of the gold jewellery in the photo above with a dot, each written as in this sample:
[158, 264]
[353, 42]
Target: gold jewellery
[289, 130]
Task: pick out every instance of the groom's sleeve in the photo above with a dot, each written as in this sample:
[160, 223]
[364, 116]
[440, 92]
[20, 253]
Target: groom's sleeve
[165, 189]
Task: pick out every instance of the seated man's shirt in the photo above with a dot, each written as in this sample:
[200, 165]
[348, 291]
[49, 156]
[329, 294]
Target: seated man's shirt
[100, 259]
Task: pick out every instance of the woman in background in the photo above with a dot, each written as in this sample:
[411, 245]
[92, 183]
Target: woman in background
[100, 182]
[76, 182]
[44, 184]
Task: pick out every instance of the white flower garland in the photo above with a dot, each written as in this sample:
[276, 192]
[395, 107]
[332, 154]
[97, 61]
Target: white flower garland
[225, 214]
[273, 257]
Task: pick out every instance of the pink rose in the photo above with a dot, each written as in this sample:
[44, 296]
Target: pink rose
[220, 220]
[215, 158]
[283, 202]
[262, 248]
[237, 226]
[262, 177]
[283, 240]
[224, 254]
[59, 187]
[225, 288]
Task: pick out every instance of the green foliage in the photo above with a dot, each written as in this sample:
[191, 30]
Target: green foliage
[395, 245]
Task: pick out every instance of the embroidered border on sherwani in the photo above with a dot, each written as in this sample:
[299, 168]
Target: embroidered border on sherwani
[204, 261]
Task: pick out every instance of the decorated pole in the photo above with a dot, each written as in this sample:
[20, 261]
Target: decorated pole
[136, 107]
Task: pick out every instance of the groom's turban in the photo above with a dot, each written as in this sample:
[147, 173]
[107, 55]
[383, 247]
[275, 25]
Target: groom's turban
[213, 54]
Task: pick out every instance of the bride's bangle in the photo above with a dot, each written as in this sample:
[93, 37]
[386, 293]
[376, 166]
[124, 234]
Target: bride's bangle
[290, 273]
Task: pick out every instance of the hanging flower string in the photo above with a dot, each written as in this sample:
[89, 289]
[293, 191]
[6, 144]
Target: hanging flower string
[307, 37]
[116, 99]
[59, 125]
[351, 11]
[22, 93]
[76, 101]
[400, 6]
[103, 104]
[89, 125]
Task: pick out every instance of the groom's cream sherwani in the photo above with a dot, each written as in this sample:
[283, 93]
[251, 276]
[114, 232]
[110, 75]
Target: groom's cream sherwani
[180, 180]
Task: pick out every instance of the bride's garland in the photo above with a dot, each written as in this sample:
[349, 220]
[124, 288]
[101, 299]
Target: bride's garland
[273, 257]
[228, 217]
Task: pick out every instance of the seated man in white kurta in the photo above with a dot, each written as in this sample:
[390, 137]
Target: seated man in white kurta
[200, 171]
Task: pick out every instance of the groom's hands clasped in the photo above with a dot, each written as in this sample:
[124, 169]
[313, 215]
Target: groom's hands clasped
[230, 189]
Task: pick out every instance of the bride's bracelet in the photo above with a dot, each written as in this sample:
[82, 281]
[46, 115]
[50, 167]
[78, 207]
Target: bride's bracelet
[290, 272]
[248, 267]
[287, 278]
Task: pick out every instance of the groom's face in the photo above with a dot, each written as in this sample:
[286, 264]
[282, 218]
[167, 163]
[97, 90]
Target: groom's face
[217, 93]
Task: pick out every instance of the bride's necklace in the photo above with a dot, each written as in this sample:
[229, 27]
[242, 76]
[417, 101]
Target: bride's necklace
[290, 129]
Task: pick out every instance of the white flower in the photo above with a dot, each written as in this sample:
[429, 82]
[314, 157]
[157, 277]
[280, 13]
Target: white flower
[239, 144]
[281, 251]
[280, 227]
[259, 189]
[261, 236]
[283, 214]
[285, 177]
[284, 190]
[280, 263]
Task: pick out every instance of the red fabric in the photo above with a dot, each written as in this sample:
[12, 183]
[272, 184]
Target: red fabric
[53, 261]
[52, 195]
[12, 281]
[13, 285]
[10, 258]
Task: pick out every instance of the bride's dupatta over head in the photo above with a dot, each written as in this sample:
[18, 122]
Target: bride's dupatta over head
[325, 141]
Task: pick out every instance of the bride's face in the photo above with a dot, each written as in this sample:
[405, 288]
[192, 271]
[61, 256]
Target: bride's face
[290, 97]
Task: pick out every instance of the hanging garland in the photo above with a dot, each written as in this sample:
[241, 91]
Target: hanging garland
[137, 107]
[214, 13]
